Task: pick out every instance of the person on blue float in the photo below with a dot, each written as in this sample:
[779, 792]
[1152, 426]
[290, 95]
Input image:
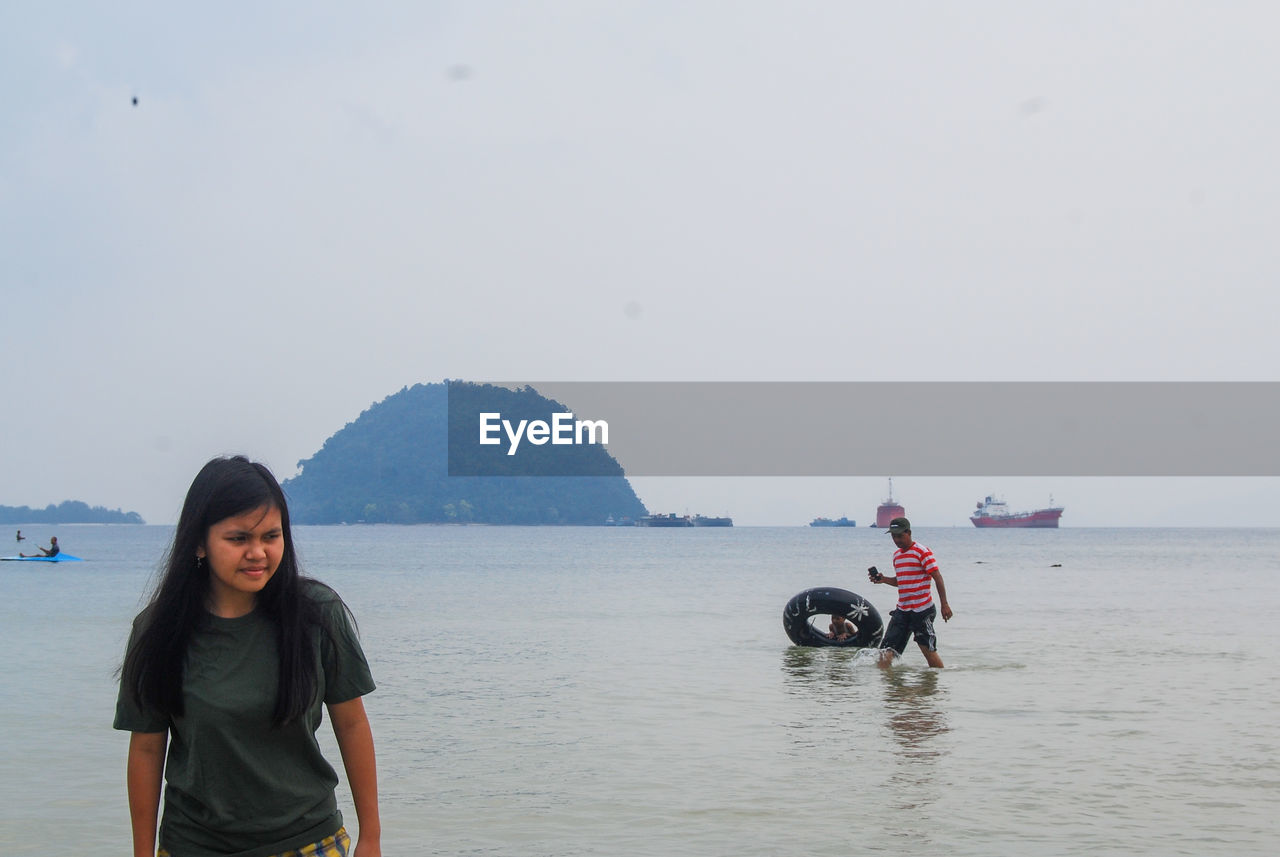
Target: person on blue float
[51, 550]
[915, 571]
[227, 668]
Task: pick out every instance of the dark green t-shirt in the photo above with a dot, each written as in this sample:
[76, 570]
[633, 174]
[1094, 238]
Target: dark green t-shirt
[236, 785]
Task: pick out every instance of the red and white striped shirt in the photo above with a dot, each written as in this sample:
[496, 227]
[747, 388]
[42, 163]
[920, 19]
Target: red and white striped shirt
[914, 567]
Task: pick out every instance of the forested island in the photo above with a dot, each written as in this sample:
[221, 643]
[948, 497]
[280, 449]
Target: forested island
[67, 512]
[391, 466]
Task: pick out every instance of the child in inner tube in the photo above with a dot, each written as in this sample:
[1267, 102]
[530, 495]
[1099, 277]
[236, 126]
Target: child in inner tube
[841, 628]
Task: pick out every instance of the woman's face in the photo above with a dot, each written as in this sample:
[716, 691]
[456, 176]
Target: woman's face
[243, 553]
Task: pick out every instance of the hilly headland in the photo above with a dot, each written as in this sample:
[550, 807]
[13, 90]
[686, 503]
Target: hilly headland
[391, 465]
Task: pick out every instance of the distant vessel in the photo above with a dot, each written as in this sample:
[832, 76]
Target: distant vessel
[668, 520]
[704, 521]
[828, 522]
[624, 521]
[889, 509]
[995, 513]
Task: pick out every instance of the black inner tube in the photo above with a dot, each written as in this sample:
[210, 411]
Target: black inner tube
[804, 606]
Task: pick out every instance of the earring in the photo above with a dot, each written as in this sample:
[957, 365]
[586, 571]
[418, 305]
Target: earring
[199, 561]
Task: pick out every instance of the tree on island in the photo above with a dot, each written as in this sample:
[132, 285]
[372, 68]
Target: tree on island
[391, 465]
[67, 512]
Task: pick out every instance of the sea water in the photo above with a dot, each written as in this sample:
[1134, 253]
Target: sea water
[575, 691]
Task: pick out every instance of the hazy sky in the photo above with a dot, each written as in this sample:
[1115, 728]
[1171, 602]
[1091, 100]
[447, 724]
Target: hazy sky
[314, 205]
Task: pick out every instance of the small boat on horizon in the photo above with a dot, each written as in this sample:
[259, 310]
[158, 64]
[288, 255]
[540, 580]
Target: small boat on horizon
[668, 520]
[842, 521]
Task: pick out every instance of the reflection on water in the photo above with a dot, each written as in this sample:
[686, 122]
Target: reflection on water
[834, 706]
[839, 689]
[915, 712]
[808, 668]
[914, 718]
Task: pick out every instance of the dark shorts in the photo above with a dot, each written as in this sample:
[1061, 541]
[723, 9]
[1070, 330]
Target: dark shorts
[903, 623]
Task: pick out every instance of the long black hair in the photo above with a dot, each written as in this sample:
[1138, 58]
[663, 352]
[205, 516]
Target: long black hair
[153, 668]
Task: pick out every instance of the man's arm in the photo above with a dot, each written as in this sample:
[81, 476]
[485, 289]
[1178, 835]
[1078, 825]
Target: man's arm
[942, 596]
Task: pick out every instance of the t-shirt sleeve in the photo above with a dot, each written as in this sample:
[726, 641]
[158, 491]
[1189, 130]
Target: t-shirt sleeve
[130, 717]
[346, 671]
[930, 562]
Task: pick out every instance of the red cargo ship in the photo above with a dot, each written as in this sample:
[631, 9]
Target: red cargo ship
[888, 510]
[995, 513]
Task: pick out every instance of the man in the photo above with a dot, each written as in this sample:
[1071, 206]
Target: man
[52, 550]
[914, 568]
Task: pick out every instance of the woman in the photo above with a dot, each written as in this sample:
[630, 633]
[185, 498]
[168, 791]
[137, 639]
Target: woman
[228, 665]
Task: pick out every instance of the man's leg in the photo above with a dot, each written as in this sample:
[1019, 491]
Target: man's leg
[895, 638]
[934, 659]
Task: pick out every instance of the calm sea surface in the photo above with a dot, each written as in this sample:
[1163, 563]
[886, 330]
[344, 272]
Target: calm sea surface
[576, 691]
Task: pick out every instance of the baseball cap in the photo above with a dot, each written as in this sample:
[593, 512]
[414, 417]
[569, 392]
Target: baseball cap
[899, 525]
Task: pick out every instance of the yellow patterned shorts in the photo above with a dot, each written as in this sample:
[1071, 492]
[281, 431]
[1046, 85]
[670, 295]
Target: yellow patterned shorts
[336, 845]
